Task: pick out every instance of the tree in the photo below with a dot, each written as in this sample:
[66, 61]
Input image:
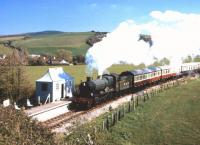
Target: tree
[78, 59]
[187, 59]
[64, 54]
[197, 58]
[161, 62]
[164, 61]
[24, 56]
[14, 83]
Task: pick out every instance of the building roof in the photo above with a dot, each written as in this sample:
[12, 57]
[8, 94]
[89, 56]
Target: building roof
[55, 74]
[64, 62]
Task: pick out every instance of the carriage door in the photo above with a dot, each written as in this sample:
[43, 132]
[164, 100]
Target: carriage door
[62, 91]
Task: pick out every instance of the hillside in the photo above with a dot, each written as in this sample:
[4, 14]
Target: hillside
[50, 42]
[5, 50]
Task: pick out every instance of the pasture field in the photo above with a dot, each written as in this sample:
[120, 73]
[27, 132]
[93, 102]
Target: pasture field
[12, 38]
[77, 71]
[5, 50]
[76, 42]
[172, 117]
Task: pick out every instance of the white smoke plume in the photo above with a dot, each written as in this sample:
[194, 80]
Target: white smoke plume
[175, 35]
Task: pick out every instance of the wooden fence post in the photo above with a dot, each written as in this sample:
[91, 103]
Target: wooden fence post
[112, 118]
[103, 125]
[119, 115]
[134, 103]
[107, 123]
[129, 106]
[124, 111]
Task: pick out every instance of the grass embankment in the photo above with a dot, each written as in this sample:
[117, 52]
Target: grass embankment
[77, 71]
[171, 117]
[75, 42]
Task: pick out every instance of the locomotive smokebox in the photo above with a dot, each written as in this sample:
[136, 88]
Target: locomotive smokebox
[88, 79]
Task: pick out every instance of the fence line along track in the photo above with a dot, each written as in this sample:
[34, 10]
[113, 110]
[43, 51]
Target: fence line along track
[74, 116]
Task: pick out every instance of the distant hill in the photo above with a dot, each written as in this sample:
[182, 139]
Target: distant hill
[49, 32]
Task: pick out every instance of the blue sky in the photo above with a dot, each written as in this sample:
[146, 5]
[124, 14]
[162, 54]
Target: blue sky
[19, 16]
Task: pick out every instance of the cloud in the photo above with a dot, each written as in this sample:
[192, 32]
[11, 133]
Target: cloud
[175, 35]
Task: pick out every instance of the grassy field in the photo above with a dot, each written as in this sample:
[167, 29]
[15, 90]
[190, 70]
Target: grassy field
[77, 71]
[5, 50]
[170, 118]
[76, 42]
[11, 38]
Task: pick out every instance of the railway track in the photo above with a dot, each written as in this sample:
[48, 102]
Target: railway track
[65, 118]
[61, 119]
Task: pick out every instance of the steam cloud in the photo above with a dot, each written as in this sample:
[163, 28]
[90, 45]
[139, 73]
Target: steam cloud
[175, 35]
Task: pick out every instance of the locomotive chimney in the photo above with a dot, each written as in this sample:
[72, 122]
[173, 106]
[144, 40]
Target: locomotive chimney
[88, 79]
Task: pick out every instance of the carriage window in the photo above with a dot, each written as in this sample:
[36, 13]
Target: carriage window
[149, 75]
[44, 87]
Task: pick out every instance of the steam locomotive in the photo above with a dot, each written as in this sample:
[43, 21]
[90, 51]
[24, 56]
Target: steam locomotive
[109, 86]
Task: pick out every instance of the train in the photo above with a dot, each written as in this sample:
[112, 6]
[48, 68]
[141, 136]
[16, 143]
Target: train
[109, 86]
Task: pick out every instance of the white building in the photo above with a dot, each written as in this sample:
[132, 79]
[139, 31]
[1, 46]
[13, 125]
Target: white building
[54, 85]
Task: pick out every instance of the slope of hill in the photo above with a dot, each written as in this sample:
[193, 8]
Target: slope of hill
[50, 41]
[5, 50]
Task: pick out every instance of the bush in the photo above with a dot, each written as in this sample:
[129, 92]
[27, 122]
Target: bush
[17, 128]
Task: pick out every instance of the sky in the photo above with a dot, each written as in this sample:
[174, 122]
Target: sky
[21, 16]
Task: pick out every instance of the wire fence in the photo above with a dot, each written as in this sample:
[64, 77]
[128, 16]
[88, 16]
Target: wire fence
[119, 113]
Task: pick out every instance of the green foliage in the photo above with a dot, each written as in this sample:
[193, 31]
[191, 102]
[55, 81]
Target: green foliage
[187, 59]
[197, 58]
[17, 129]
[171, 117]
[14, 83]
[64, 54]
[161, 62]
